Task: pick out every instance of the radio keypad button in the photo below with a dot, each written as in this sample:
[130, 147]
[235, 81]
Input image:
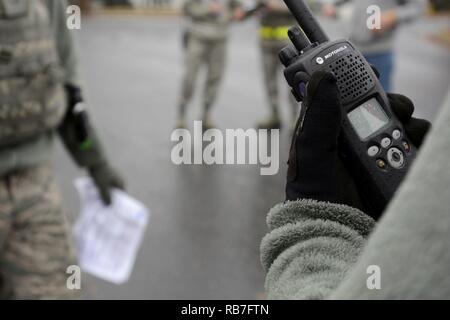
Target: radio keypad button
[406, 146]
[381, 164]
[373, 151]
[396, 158]
[386, 142]
[396, 134]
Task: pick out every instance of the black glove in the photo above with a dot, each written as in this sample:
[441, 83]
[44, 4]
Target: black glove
[403, 107]
[73, 96]
[82, 143]
[315, 170]
[415, 128]
[313, 154]
[105, 179]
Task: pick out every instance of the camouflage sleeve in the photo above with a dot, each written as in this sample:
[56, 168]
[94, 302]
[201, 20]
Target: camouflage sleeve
[196, 9]
[65, 41]
[277, 5]
[234, 4]
[311, 247]
[339, 2]
[411, 9]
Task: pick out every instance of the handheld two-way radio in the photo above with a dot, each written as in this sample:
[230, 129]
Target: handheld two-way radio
[373, 143]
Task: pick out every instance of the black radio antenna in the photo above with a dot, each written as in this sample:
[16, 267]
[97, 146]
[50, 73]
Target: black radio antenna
[307, 21]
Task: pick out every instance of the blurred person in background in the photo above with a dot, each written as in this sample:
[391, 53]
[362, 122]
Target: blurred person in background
[40, 96]
[377, 44]
[275, 21]
[205, 39]
[124, 3]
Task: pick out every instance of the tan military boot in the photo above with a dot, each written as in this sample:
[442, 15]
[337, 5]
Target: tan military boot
[207, 124]
[180, 124]
[271, 123]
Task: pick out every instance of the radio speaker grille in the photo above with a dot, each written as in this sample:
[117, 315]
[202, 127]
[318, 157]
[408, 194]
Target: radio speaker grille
[352, 76]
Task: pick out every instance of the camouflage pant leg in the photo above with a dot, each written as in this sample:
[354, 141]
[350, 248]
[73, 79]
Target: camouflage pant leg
[270, 73]
[5, 224]
[195, 53]
[271, 69]
[35, 252]
[216, 59]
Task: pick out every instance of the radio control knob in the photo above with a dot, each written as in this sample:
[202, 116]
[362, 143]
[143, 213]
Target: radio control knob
[396, 158]
[287, 55]
[298, 38]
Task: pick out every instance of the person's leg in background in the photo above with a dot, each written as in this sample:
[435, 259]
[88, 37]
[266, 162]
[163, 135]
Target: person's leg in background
[195, 52]
[270, 66]
[384, 63]
[35, 250]
[216, 61]
[5, 225]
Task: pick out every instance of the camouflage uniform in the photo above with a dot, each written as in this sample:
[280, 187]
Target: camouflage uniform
[35, 252]
[37, 67]
[34, 248]
[206, 46]
[274, 25]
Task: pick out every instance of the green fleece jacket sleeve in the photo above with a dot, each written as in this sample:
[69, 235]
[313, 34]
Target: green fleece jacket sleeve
[311, 247]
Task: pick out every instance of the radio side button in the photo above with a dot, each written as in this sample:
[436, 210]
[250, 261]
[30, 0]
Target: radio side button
[406, 146]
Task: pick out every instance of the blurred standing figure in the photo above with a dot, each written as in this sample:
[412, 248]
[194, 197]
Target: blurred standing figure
[205, 39]
[39, 96]
[377, 44]
[275, 21]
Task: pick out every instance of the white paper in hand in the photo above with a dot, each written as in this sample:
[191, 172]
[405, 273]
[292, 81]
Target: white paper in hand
[108, 238]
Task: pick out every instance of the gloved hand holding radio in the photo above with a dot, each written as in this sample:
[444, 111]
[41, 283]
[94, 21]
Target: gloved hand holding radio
[80, 140]
[315, 170]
